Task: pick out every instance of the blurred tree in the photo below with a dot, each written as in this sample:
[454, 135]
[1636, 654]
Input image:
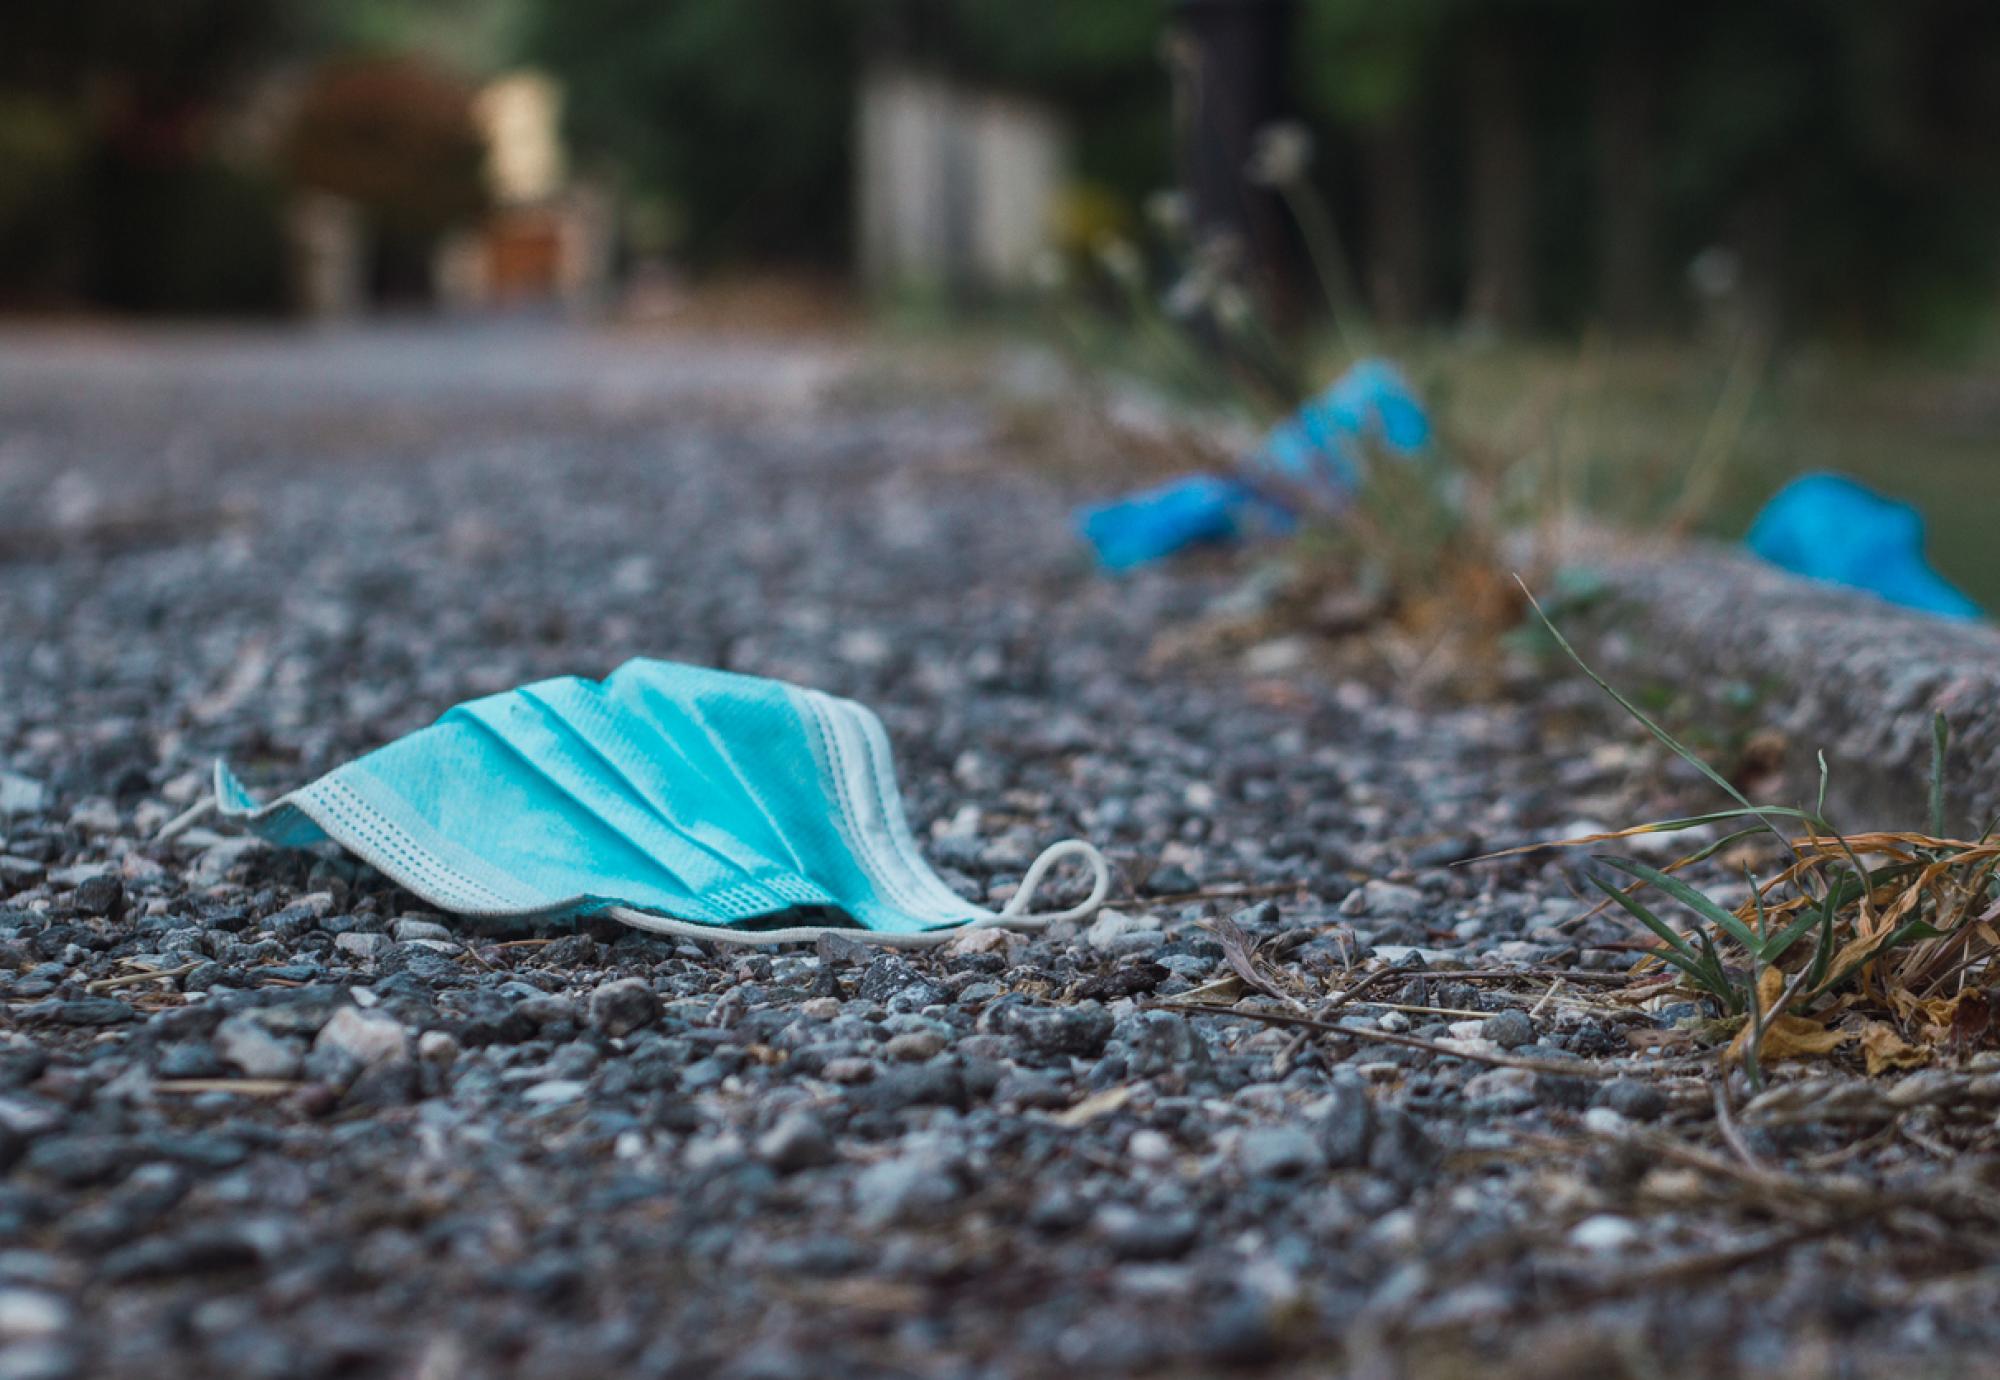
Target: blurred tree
[110, 114]
[396, 136]
[1844, 154]
[737, 109]
[742, 110]
[1099, 63]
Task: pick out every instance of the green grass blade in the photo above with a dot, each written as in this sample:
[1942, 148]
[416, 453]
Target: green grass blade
[1673, 744]
[1689, 897]
[1895, 939]
[1668, 935]
[1823, 946]
[1940, 741]
[1718, 976]
[1726, 841]
[1779, 944]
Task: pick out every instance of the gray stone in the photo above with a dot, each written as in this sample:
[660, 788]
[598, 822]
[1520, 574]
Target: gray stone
[366, 947]
[1072, 1030]
[245, 1044]
[1134, 1234]
[902, 1189]
[797, 1140]
[367, 1037]
[1278, 1152]
[1632, 1098]
[102, 895]
[623, 1006]
[1508, 1029]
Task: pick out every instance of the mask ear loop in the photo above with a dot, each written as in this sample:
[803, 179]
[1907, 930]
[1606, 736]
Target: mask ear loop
[186, 820]
[1013, 915]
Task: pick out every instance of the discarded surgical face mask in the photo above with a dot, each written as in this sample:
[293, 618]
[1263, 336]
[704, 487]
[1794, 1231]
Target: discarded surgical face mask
[674, 798]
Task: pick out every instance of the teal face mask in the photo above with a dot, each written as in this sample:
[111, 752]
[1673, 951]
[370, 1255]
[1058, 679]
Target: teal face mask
[674, 798]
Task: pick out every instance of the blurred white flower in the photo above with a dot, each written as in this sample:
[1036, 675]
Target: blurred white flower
[1221, 254]
[1716, 272]
[1167, 210]
[1188, 299]
[1233, 307]
[1281, 154]
[1121, 260]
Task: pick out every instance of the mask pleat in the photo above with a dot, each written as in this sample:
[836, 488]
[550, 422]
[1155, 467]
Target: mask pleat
[685, 720]
[606, 842]
[920, 889]
[653, 777]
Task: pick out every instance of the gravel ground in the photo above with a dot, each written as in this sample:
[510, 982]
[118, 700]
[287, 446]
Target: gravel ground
[340, 1135]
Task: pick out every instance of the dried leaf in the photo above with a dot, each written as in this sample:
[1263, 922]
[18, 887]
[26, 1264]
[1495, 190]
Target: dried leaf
[1096, 1105]
[1972, 1020]
[1797, 1037]
[1885, 1049]
[1241, 955]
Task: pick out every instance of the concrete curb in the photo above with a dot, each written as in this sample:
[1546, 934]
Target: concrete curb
[1832, 669]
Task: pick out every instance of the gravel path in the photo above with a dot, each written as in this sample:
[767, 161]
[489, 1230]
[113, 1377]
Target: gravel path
[339, 1135]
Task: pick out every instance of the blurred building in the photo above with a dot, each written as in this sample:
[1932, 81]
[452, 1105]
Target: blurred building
[955, 186]
[538, 237]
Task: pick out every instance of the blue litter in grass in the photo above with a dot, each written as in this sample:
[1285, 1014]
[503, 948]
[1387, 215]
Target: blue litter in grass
[1827, 527]
[1156, 522]
[1325, 442]
[1315, 455]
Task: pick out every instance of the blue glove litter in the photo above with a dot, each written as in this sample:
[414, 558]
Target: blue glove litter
[1317, 452]
[1827, 527]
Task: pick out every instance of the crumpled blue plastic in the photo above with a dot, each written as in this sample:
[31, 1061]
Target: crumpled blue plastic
[1827, 527]
[1317, 453]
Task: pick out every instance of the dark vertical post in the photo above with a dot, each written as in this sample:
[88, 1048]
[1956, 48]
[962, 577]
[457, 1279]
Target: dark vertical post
[1228, 58]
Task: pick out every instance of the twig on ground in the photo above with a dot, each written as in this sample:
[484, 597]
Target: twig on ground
[1726, 1125]
[242, 1087]
[134, 979]
[1367, 984]
[1581, 1068]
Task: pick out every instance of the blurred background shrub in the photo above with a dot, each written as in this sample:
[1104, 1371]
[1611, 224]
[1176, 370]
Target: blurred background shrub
[1832, 166]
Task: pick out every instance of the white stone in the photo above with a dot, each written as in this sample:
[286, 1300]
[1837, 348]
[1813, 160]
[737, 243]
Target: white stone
[95, 816]
[1604, 1234]
[1112, 926]
[244, 1044]
[31, 1313]
[363, 946]
[555, 1091]
[368, 1037]
[20, 795]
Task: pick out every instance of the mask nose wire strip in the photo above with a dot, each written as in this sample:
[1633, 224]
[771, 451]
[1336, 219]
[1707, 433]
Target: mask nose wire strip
[1009, 917]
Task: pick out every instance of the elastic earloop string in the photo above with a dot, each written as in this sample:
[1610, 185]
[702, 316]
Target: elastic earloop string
[186, 820]
[1100, 886]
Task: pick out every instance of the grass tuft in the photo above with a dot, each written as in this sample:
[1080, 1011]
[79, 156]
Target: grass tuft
[1857, 931]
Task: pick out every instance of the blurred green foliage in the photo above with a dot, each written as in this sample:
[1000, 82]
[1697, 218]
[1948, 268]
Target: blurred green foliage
[393, 135]
[737, 109]
[112, 188]
[742, 110]
[1846, 153]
